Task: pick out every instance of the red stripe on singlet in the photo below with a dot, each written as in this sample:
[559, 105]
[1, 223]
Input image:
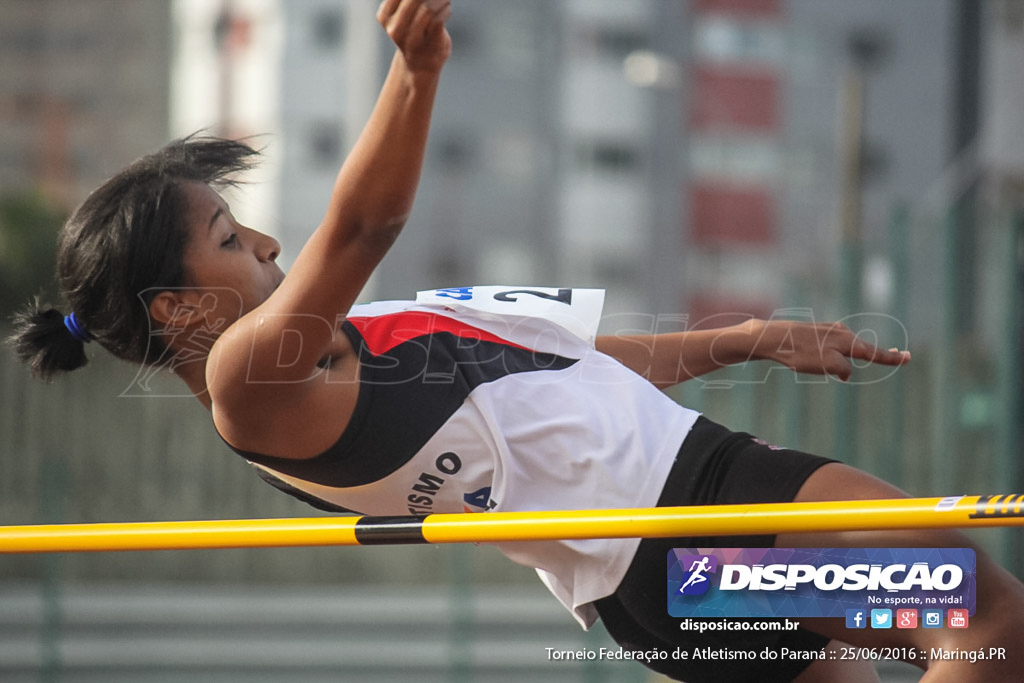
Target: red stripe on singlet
[385, 332]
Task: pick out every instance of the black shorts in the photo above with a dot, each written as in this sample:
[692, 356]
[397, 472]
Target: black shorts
[714, 467]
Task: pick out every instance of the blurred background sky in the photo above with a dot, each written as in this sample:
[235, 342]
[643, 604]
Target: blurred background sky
[702, 160]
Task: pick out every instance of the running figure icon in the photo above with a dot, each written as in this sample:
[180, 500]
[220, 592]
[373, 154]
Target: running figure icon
[697, 570]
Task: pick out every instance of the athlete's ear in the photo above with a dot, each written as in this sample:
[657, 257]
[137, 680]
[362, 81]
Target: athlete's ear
[174, 308]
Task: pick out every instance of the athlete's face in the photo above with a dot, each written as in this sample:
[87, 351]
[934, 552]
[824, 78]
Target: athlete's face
[226, 257]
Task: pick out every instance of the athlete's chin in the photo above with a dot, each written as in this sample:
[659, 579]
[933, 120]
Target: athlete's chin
[277, 281]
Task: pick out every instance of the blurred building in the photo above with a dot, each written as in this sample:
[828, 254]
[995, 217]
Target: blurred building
[84, 89]
[684, 155]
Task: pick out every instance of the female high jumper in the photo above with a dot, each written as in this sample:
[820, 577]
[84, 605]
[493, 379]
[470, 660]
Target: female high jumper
[447, 404]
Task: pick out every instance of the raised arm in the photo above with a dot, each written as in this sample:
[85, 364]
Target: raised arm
[369, 205]
[821, 349]
[265, 374]
[373, 194]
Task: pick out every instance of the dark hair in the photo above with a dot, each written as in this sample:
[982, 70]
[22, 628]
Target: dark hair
[125, 242]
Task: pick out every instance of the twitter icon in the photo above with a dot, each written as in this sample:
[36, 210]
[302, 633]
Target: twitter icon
[881, 618]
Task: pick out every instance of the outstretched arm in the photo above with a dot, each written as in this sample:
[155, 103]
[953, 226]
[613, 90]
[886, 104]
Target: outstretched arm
[815, 348]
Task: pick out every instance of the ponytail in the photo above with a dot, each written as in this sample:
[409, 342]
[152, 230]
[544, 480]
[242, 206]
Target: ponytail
[44, 342]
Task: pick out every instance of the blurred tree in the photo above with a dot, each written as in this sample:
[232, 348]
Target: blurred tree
[29, 223]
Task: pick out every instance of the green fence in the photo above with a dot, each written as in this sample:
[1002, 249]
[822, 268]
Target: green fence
[947, 423]
[77, 450]
[87, 448]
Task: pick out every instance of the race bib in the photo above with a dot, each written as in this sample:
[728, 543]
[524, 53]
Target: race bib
[576, 310]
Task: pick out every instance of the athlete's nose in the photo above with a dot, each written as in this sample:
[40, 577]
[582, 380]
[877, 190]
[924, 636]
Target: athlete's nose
[267, 248]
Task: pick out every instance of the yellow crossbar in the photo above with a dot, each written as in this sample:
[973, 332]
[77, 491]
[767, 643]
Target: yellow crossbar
[496, 527]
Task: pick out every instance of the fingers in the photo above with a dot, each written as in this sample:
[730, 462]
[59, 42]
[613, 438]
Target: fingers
[442, 9]
[396, 16]
[838, 366]
[417, 28]
[403, 18]
[431, 17]
[832, 349]
[862, 350]
[823, 348]
[889, 356]
[841, 348]
[386, 10]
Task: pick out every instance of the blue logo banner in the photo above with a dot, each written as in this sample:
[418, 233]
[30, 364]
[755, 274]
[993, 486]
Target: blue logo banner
[819, 582]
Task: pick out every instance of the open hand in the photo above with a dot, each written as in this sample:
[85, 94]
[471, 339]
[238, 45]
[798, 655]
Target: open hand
[819, 348]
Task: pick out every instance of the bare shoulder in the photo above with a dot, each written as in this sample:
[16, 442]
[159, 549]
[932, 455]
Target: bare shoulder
[264, 409]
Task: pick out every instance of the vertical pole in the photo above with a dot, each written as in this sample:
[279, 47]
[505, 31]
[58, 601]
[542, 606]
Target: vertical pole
[958, 235]
[744, 399]
[362, 67]
[225, 68]
[850, 251]
[966, 123]
[1008, 388]
[890, 467]
[592, 670]
[792, 392]
[667, 147]
[461, 614]
[363, 70]
[945, 386]
[51, 497]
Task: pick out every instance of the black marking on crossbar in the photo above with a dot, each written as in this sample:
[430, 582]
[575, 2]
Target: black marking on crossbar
[389, 530]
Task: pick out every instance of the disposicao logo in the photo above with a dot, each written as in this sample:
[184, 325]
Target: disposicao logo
[696, 580]
[805, 582]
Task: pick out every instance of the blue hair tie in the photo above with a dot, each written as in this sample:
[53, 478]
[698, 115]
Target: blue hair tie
[76, 329]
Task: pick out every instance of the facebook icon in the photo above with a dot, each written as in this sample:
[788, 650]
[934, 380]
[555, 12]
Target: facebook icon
[856, 618]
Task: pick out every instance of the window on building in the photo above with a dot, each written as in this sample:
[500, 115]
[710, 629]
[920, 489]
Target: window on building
[327, 28]
[709, 309]
[730, 39]
[735, 99]
[617, 43]
[325, 145]
[606, 156]
[454, 152]
[727, 214]
[748, 7]
[737, 158]
[231, 31]
[611, 43]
